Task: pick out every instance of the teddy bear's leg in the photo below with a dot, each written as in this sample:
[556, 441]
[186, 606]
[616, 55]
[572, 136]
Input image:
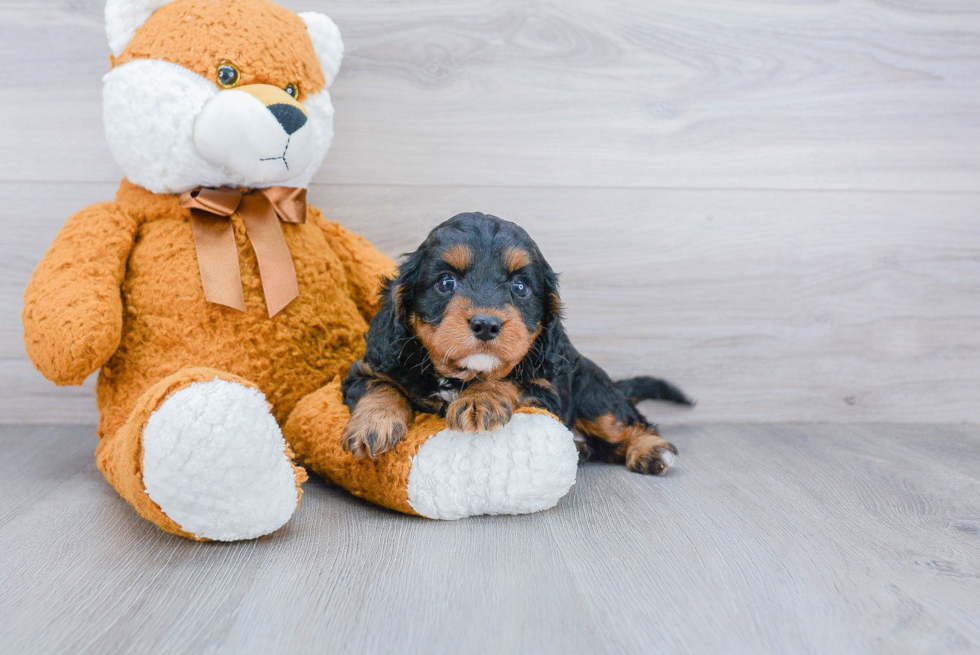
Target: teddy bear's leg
[201, 456]
[525, 466]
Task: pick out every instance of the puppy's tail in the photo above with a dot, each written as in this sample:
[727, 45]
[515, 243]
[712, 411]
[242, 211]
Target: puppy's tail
[647, 388]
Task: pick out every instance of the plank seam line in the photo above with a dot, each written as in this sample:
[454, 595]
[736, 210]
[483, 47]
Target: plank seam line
[558, 187]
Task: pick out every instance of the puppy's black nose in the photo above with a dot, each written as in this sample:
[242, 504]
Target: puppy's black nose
[485, 327]
[288, 116]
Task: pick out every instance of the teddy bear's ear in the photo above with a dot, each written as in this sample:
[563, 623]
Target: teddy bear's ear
[124, 17]
[326, 41]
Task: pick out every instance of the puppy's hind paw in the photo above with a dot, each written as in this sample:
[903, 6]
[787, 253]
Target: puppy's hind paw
[651, 456]
[582, 446]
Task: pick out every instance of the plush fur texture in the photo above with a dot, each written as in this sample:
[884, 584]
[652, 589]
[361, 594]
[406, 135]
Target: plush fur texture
[434, 472]
[268, 43]
[120, 289]
[124, 17]
[167, 325]
[73, 312]
[215, 461]
[327, 43]
[526, 466]
[172, 127]
[120, 455]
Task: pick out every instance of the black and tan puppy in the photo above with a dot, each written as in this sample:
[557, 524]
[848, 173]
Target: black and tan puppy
[471, 329]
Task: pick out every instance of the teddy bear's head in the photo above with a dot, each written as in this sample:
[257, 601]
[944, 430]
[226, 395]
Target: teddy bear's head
[218, 92]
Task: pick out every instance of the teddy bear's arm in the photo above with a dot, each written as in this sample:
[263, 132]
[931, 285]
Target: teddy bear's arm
[73, 306]
[364, 265]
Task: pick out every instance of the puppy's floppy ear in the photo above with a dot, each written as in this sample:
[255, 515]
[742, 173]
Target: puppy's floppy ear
[390, 328]
[553, 349]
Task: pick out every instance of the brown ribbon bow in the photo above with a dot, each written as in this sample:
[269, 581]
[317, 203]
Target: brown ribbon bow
[214, 237]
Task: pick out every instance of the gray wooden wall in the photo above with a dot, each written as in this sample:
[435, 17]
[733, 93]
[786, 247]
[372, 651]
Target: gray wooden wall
[772, 203]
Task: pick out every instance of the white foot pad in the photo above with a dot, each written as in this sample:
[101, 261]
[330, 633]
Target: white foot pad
[214, 461]
[526, 466]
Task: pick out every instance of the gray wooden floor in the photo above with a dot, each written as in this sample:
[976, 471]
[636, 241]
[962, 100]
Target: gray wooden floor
[765, 539]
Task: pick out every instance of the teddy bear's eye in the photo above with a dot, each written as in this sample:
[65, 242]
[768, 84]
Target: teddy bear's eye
[292, 90]
[228, 75]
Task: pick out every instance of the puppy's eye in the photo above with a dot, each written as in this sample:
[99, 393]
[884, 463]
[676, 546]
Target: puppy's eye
[292, 90]
[446, 284]
[519, 288]
[228, 75]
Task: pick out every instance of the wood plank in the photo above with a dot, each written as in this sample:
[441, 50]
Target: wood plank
[766, 306]
[774, 538]
[784, 539]
[327, 580]
[469, 584]
[712, 94]
[53, 453]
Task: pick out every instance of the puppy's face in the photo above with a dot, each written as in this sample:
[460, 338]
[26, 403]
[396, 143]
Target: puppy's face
[481, 296]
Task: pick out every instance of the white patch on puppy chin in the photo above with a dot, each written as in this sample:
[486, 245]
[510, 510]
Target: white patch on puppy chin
[480, 363]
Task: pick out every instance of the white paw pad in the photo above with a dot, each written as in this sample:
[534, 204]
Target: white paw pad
[526, 466]
[214, 461]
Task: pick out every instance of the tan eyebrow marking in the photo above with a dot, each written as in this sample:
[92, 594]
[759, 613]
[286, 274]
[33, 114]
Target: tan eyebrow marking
[459, 256]
[516, 258]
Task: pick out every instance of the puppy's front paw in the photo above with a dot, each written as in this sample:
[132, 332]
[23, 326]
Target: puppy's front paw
[650, 455]
[478, 412]
[370, 434]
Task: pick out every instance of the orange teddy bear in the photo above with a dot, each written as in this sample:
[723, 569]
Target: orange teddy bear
[219, 306]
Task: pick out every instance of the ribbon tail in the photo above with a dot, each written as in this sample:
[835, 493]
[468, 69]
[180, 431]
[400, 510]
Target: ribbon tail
[288, 202]
[217, 257]
[276, 266]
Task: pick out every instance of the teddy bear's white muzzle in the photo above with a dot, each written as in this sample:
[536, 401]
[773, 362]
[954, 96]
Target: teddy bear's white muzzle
[266, 144]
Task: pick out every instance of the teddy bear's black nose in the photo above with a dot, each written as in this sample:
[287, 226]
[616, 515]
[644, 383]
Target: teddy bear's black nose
[290, 117]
